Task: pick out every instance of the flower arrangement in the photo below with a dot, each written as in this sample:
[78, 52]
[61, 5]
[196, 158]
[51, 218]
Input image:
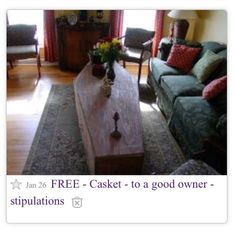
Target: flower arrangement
[109, 49]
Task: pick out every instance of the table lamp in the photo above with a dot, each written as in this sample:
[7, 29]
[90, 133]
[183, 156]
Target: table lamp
[180, 25]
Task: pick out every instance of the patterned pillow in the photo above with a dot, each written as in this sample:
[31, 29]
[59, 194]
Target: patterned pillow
[206, 65]
[182, 57]
[214, 88]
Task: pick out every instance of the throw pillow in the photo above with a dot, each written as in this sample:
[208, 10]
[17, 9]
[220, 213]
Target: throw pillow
[206, 65]
[182, 57]
[214, 88]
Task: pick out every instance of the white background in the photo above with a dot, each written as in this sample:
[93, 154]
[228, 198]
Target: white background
[123, 4]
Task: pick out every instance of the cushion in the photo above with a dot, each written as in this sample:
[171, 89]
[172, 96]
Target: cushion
[135, 37]
[159, 68]
[180, 85]
[21, 34]
[212, 46]
[223, 53]
[133, 55]
[206, 65]
[214, 88]
[182, 57]
[21, 52]
[221, 70]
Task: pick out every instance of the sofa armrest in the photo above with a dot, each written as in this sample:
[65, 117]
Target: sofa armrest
[164, 48]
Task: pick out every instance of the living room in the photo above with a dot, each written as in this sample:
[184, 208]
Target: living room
[63, 58]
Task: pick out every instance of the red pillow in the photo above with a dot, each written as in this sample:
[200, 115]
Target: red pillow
[182, 57]
[214, 88]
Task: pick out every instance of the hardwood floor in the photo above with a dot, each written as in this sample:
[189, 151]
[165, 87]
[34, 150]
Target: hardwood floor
[25, 104]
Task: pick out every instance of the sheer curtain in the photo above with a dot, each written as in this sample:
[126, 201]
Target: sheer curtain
[139, 19]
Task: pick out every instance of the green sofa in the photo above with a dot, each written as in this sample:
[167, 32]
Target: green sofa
[193, 120]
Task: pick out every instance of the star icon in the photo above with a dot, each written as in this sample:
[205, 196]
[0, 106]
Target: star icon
[16, 184]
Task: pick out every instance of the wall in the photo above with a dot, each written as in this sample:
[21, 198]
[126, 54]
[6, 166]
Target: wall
[59, 13]
[211, 25]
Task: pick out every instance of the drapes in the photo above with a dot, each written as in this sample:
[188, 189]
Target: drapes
[116, 23]
[50, 46]
[159, 21]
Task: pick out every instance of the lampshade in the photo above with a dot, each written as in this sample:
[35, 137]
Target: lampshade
[183, 14]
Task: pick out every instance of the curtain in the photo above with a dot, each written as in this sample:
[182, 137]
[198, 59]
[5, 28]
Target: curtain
[116, 23]
[50, 46]
[159, 20]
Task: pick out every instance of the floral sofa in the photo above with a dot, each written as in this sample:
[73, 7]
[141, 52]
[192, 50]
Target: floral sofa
[198, 122]
[194, 167]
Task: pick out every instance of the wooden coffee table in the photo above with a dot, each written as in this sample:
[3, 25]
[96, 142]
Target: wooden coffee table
[105, 154]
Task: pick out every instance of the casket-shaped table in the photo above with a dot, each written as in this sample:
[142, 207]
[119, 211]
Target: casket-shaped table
[107, 155]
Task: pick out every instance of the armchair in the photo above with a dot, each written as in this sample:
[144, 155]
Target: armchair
[137, 47]
[22, 44]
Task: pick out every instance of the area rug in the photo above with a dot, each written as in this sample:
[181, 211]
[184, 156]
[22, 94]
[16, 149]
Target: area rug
[57, 148]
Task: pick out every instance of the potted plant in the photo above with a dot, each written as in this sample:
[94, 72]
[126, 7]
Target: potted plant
[109, 49]
[98, 68]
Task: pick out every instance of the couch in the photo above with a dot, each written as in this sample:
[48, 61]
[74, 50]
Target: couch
[198, 124]
[194, 167]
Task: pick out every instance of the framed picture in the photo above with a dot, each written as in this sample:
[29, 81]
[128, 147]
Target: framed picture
[83, 15]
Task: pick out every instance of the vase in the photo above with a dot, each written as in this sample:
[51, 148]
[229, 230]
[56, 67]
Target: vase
[98, 70]
[110, 72]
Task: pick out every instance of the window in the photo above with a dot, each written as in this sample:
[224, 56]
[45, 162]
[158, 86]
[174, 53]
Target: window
[28, 17]
[139, 18]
